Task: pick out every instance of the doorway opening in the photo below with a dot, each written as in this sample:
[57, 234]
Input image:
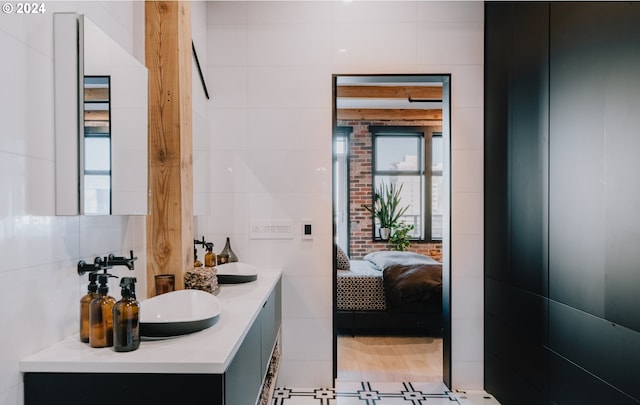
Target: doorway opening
[391, 138]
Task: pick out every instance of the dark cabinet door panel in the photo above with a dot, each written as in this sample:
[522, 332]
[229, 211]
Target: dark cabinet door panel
[594, 192]
[528, 145]
[509, 387]
[270, 320]
[523, 311]
[110, 388]
[570, 385]
[516, 145]
[602, 348]
[524, 357]
[496, 102]
[243, 376]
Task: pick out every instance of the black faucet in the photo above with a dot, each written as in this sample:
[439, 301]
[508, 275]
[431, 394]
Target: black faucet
[97, 265]
[106, 263]
[207, 245]
[121, 261]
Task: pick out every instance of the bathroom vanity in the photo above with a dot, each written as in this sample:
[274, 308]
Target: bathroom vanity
[224, 364]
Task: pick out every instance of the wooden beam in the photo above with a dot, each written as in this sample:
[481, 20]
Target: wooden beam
[390, 114]
[421, 92]
[96, 94]
[170, 222]
[96, 115]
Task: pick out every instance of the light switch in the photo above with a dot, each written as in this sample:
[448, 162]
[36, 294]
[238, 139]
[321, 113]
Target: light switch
[307, 230]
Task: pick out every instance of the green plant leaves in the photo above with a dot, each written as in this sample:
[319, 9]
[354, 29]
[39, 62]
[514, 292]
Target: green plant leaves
[386, 205]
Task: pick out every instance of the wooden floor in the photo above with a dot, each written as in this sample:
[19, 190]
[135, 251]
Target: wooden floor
[389, 358]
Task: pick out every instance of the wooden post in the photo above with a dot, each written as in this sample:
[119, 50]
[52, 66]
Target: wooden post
[170, 221]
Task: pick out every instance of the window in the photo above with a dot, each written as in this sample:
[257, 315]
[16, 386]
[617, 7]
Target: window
[341, 186]
[412, 157]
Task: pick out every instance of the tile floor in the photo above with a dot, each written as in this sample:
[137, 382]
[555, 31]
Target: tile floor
[380, 393]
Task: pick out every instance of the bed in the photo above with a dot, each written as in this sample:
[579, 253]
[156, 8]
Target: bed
[389, 292]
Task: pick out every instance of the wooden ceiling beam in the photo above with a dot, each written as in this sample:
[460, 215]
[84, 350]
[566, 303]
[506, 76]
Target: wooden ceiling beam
[388, 114]
[96, 94]
[420, 92]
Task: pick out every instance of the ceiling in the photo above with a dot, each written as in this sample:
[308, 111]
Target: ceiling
[388, 98]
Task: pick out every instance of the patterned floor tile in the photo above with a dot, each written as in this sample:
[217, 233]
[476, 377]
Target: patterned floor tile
[475, 398]
[367, 393]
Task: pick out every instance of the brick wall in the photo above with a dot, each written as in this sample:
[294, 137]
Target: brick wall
[360, 178]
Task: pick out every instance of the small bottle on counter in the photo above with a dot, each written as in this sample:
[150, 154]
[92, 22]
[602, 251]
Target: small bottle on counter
[209, 257]
[227, 255]
[101, 315]
[85, 301]
[126, 313]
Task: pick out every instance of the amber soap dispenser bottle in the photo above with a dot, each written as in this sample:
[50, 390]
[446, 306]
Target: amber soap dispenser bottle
[101, 315]
[209, 257]
[126, 330]
[92, 292]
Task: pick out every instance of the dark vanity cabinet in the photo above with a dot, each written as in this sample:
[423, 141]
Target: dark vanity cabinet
[240, 384]
[244, 377]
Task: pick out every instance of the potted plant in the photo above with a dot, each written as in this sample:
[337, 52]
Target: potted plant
[401, 236]
[386, 207]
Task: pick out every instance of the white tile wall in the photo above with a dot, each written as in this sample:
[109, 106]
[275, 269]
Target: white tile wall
[39, 286]
[200, 121]
[375, 12]
[270, 65]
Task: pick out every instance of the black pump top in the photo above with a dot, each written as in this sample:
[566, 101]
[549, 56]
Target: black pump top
[128, 285]
[103, 279]
[92, 287]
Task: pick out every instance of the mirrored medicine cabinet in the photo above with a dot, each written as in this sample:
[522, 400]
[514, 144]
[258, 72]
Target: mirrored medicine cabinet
[100, 93]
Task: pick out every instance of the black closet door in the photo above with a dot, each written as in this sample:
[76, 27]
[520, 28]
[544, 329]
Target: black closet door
[594, 239]
[562, 202]
[595, 139]
[516, 195]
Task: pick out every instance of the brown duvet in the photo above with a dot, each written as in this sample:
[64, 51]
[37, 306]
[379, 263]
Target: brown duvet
[405, 283]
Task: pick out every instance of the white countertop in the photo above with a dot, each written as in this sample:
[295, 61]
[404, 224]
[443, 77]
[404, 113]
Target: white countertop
[206, 352]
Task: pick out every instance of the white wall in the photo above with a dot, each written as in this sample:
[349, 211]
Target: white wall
[200, 123]
[39, 286]
[269, 74]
